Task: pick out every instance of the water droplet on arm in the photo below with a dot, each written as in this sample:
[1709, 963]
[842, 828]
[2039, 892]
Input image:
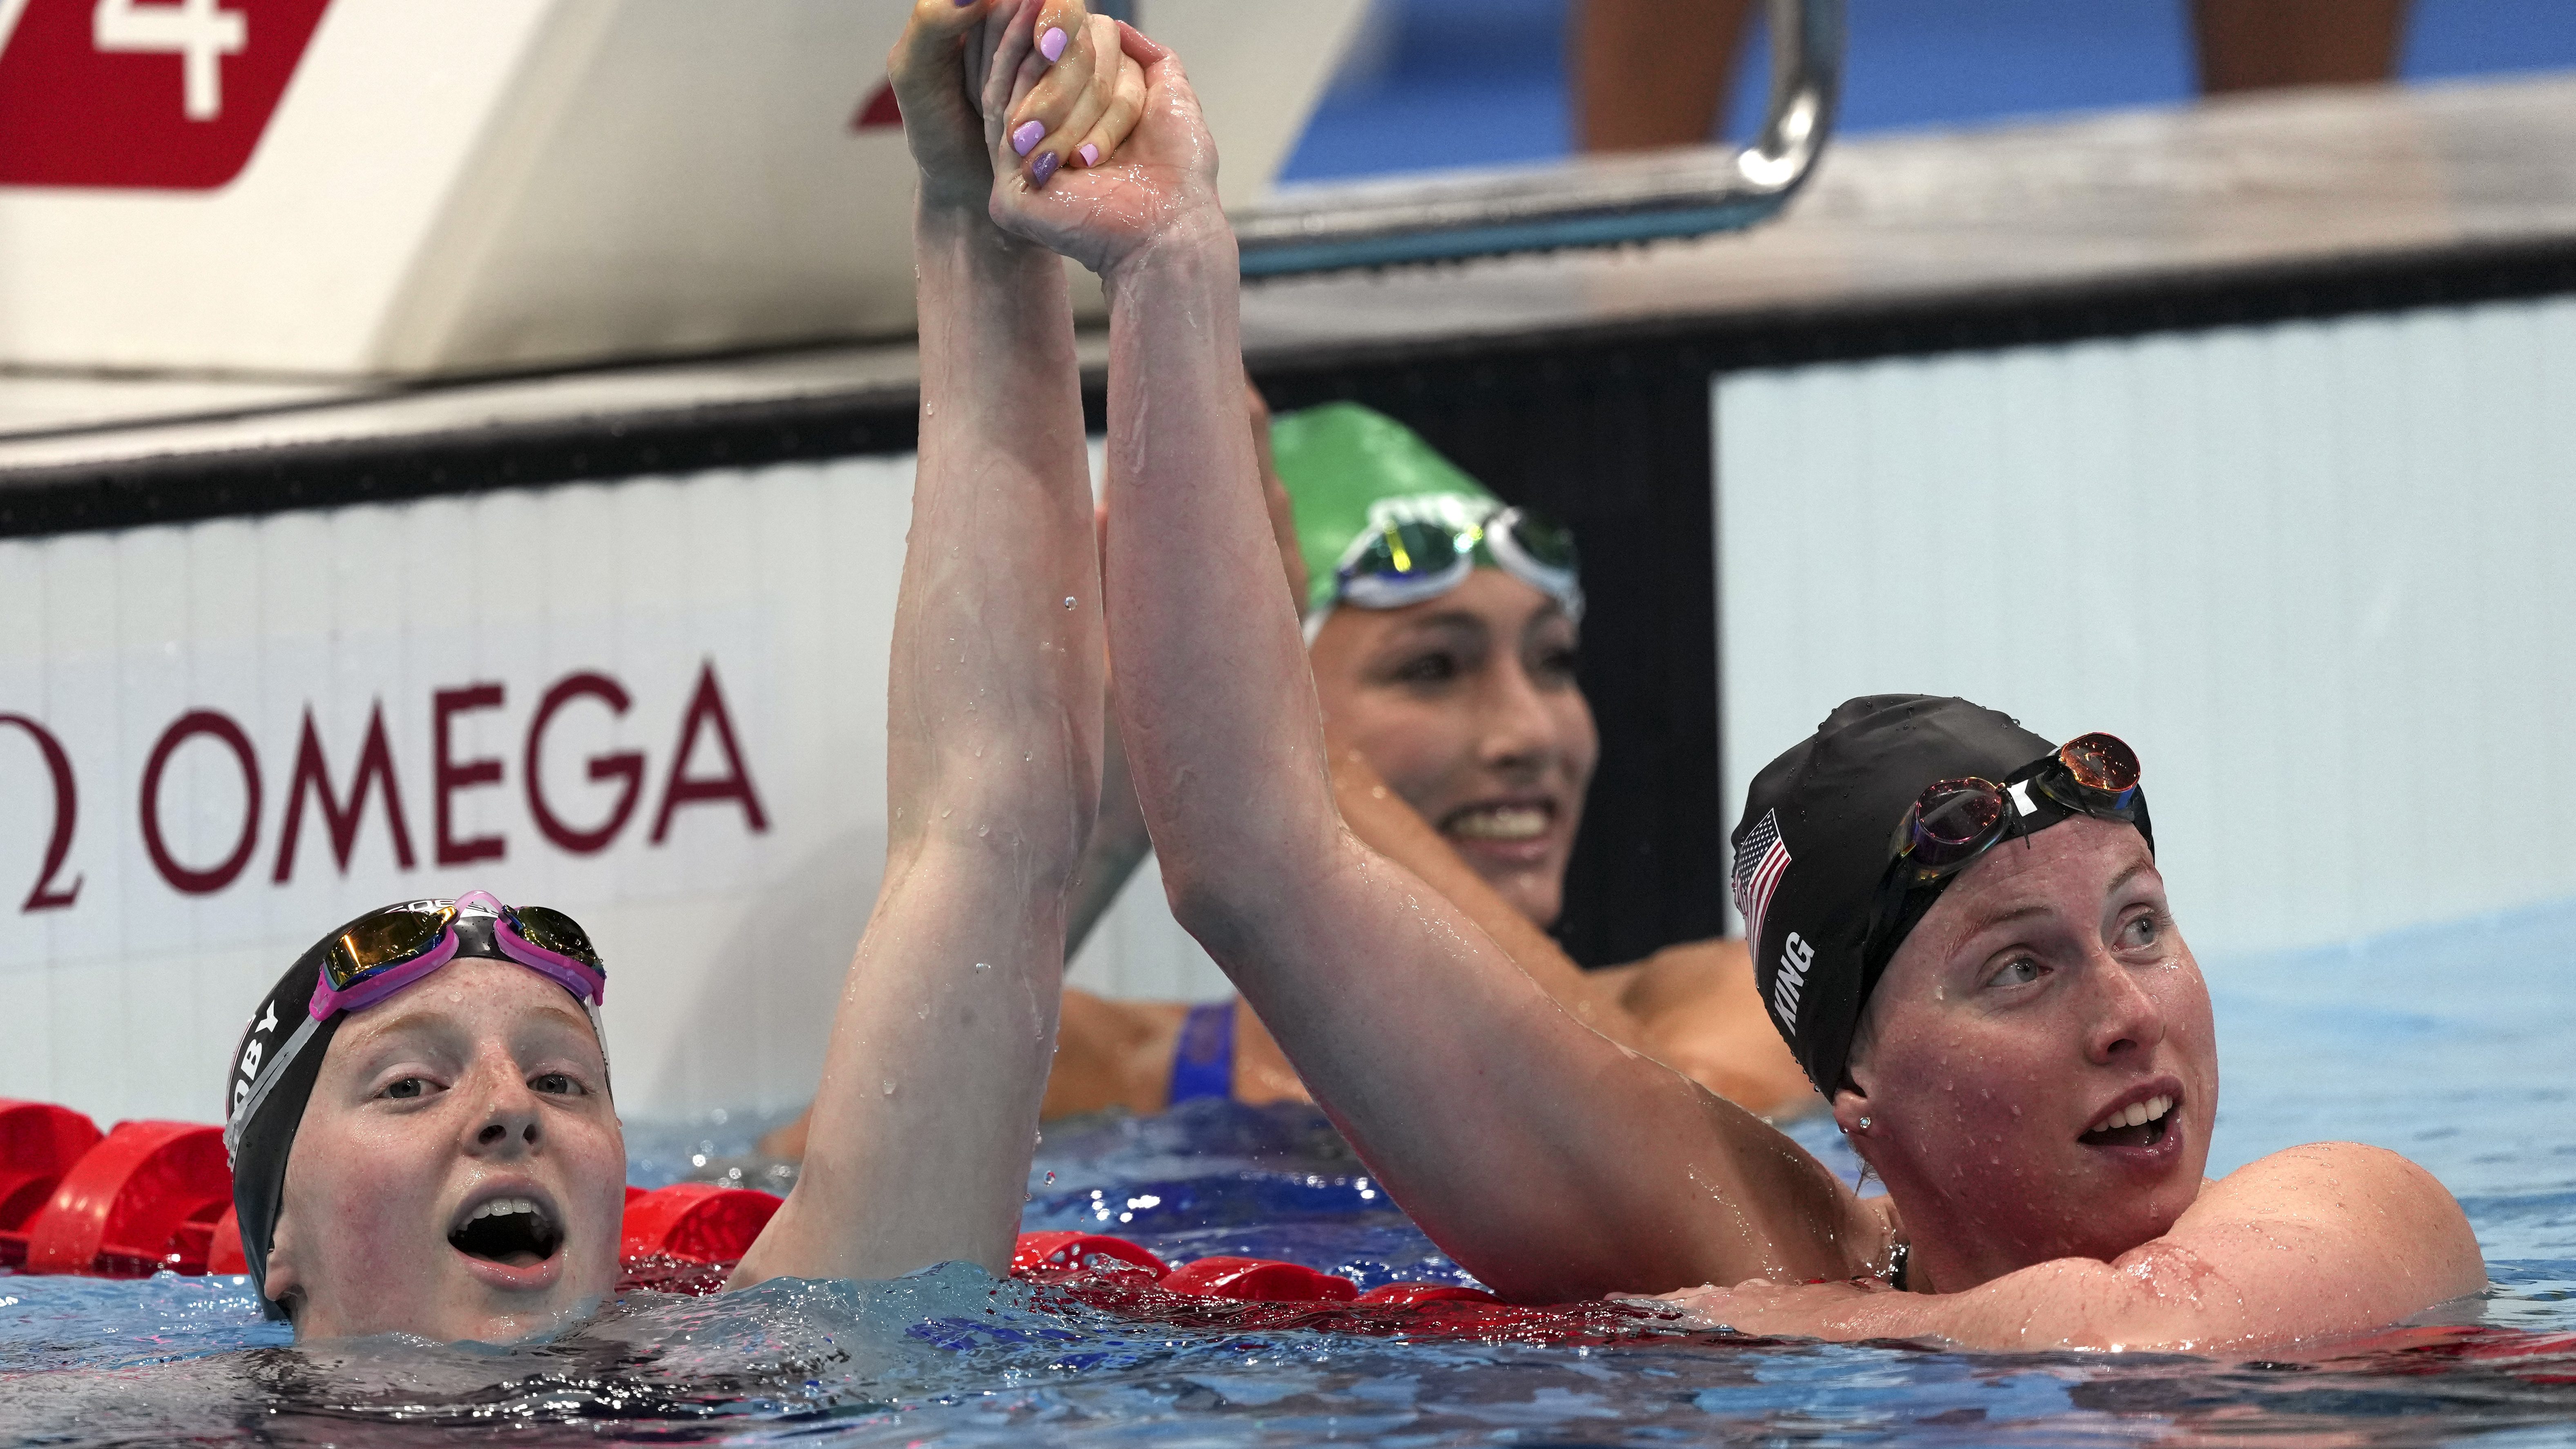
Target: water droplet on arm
[1068, 601]
[889, 1086]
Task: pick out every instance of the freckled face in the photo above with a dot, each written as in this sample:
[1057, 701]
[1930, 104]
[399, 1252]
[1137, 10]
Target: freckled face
[459, 1172]
[1467, 706]
[2040, 1067]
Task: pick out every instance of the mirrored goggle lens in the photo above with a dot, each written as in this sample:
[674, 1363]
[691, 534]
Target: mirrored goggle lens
[2100, 762]
[1404, 551]
[552, 930]
[1952, 821]
[1548, 543]
[385, 938]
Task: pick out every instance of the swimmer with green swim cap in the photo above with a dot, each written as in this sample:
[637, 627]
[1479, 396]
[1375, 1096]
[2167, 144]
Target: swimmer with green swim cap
[1965, 928]
[1384, 521]
[1442, 627]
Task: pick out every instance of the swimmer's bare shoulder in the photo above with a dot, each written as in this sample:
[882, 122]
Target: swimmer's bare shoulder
[2313, 1242]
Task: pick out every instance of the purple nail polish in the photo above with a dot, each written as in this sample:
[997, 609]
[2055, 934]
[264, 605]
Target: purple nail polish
[1051, 45]
[1089, 153]
[1028, 135]
[1043, 167]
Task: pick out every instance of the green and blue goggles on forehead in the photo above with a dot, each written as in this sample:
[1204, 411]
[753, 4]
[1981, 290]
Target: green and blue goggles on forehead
[1410, 554]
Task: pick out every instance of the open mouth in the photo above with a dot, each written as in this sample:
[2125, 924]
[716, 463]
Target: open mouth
[516, 1231]
[1512, 824]
[2140, 1124]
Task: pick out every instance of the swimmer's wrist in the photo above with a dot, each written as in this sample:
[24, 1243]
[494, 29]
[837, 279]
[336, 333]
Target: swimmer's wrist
[1193, 243]
[938, 222]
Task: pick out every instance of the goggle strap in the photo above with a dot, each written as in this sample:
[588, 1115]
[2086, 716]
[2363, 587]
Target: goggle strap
[270, 1072]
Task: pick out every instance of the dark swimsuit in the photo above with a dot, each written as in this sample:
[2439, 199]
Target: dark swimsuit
[1203, 1062]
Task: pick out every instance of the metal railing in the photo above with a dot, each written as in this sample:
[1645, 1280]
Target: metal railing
[1592, 201]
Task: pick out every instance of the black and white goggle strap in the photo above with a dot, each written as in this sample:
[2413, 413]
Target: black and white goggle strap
[264, 1059]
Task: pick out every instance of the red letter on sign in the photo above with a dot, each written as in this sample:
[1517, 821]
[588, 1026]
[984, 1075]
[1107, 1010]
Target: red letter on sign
[138, 93]
[375, 767]
[182, 879]
[626, 765]
[450, 775]
[707, 707]
[66, 815]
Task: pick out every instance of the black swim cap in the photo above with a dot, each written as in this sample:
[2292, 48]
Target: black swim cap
[1813, 848]
[273, 1070]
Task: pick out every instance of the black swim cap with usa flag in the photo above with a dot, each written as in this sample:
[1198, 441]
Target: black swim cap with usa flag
[1817, 837]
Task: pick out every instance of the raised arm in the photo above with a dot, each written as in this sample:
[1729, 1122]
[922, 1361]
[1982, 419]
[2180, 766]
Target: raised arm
[927, 1113]
[1551, 1162]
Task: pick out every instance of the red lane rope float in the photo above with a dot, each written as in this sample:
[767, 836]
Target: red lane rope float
[1228, 1294]
[1257, 1280]
[686, 1238]
[39, 1142]
[144, 1199]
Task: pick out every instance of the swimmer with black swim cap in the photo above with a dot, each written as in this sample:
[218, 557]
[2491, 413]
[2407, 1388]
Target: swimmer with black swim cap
[2034, 1011]
[419, 1111]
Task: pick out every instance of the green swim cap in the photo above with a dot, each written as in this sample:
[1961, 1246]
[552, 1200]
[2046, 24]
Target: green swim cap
[1343, 463]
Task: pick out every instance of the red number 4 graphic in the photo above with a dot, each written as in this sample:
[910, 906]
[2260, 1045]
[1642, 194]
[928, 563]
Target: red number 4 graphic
[142, 93]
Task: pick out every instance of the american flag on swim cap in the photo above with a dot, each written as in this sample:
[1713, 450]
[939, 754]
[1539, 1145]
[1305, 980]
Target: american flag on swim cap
[1759, 859]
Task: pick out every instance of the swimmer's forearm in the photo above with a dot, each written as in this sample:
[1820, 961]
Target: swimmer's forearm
[2315, 1242]
[1217, 707]
[2068, 1303]
[994, 686]
[920, 1134]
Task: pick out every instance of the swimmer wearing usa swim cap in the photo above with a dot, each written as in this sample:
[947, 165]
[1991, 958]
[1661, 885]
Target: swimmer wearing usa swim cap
[419, 1110]
[2037, 1012]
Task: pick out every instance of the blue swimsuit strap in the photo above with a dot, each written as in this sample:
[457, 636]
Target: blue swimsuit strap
[1203, 1062]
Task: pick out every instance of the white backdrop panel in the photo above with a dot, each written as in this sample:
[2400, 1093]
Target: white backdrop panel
[725, 935]
[2314, 572]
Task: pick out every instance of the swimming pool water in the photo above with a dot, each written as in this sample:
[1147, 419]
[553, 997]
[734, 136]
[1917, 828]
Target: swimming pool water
[2447, 1044]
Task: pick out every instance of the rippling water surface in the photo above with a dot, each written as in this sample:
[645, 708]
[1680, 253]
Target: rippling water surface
[2448, 1045]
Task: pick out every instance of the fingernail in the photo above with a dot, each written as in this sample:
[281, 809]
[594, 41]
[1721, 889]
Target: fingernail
[1089, 153]
[1029, 134]
[1051, 44]
[1043, 167]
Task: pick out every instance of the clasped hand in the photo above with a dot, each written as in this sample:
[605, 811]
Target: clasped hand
[1071, 130]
